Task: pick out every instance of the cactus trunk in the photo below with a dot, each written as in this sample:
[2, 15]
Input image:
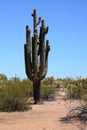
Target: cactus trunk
[36, 55]
[36, 91]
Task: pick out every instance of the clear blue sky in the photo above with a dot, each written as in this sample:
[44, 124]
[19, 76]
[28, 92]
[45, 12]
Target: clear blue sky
[67, 21]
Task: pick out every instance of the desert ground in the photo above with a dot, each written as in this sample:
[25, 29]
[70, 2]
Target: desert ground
[44, 116]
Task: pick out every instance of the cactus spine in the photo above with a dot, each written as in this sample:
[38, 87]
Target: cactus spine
[36, 55]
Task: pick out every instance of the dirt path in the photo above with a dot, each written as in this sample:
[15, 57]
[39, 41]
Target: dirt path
[40, 117]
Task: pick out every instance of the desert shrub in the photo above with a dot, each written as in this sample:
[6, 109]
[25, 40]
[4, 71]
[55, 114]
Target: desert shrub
[48, 92]
[27, 87]
[77, 89]
[13, 97]
[48, 89]
[3, 79]
[48, 81]
[77, 113]
[73, 91]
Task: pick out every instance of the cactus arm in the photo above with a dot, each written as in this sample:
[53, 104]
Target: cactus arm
[28, 41]
[35, 55]
[42, 48]
[28, 65]
[46, 60]
[28, 34]
[39, 20]
[47, 46]
[46, 30]
[35, 20]
[43, 32]
[27, 51]
[39, 49]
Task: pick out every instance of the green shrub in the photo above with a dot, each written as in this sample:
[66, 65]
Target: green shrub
[48, 81]
[27, 86]
[13, 97]
[77, 89]
[48, 92]
[73, 91]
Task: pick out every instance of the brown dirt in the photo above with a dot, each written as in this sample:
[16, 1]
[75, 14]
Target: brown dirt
[41, 117]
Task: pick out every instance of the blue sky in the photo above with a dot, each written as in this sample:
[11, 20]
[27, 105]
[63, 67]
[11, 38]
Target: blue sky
[67, 21]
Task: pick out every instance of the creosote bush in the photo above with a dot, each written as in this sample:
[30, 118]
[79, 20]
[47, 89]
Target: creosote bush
[77, 113]
[14, 97]
[48, 89]
[48, 92]
[77, 89]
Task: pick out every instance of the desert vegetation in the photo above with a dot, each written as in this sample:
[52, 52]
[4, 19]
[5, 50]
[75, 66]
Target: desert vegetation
[17, 94]
[76, 89]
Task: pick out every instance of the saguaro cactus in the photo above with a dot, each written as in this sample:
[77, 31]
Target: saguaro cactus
[36, 55]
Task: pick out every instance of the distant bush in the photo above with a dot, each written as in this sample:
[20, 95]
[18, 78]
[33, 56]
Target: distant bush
[77, 89]
[48, 92]
[73, 91]
[48, 81]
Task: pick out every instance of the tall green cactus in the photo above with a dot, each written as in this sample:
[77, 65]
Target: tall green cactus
[36, 55]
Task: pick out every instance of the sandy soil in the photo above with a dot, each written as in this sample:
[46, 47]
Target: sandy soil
[41, 117]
